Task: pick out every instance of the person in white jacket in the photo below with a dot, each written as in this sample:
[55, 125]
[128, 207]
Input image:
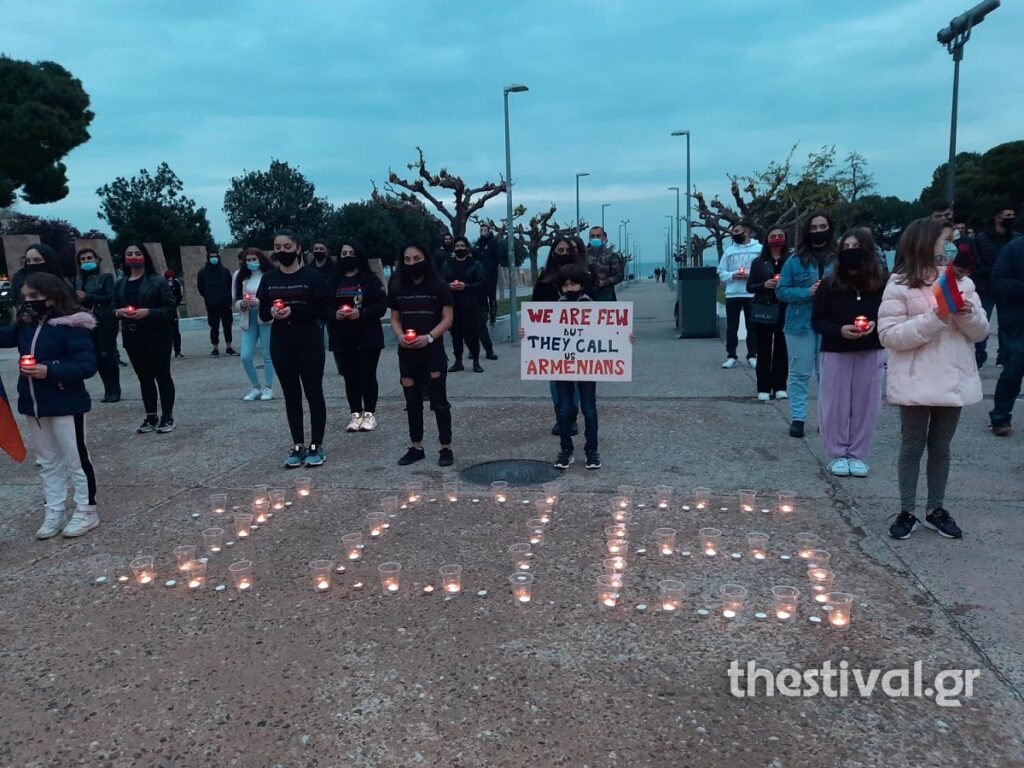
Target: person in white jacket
[243, 293]
[733, 271]
[932, 371]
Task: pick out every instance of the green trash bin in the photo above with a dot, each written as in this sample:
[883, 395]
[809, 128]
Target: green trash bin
[698, 316]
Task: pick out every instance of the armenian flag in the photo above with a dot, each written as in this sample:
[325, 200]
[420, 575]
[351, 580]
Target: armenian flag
[10, 437]
[947, 294]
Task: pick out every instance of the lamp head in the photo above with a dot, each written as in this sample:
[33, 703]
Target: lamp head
[515, 88]
[687, 132]
[965, 21]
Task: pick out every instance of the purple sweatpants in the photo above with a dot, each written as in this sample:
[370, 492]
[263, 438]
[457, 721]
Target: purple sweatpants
[849, 401]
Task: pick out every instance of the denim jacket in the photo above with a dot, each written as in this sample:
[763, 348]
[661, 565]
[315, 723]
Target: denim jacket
[795, 291]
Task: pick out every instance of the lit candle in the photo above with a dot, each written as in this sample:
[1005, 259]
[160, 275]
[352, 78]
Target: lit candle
[353, 544]
[277, 499]
[861, 323]
[757, 544]
[130, 309]
[662, 496]
[218, 503]
[701, 497]
[302, 486]
[390, 574]
[617, 546]
[671, 594]
[821, 582]
[522, 587]
[377, 522]
[321, 572]
[27, 361]
[346, 309]
[709, 538]
[535, 531]
[241, 572]
[451, 579]
[746, 498]
[278, 304]
[666, 540]
[520, 556]
[607, 591]
[841, 607]
[409, 334]
[615, 564]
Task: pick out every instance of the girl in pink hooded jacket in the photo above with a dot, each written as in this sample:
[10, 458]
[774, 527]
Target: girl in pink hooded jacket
[932, 371]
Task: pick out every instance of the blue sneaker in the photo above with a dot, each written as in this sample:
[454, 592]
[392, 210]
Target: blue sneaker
[295, 457]
[315, 455]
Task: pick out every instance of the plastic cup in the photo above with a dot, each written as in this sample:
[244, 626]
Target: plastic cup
[710, 541]
[666, 539]
[614, 564]
[499, 491]
[535, 531]
[747, 498]
[662, 496]
[628, 491]
[389, 506]
[413, 492]
[805, 542]
[101, 569]
[821, 583]
[303, 487]
[733, 596]
[451, 491]
[522, 588]
[608, 590]
[352, 543]
[757, 545]
[623, 516]
[615, 531]
[542, 510]
[185, 556]
[787, 501]
[376, 523]
[218, 503]
[197, 575]
[241, 574]
[671, 593]
[841, 607]
[213, 540]
[818, 558]
[143, 570]
[521, 556]
[702, 498]
[259, 493]
[552, 492]
[260, 510]
[619, 505]
[390, 577]
[784, 602]
[451, 579]
[321, 573]
[243, 525]
[276, 496]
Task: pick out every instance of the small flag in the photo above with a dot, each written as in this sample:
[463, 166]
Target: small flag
[10, 437]
[947, 294]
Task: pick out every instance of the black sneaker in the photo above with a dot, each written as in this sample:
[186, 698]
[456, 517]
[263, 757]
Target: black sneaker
[166, 425]
[565, 460]
[491, 355]
[230, 351]
[456, 367]
[903, 526]
[411, 457]
[215, 353]
[796, 429]
[593, 460]
[148, 425]
[476, 367]
[940, 521]
[445, 458]
[178, 356]
[296, 457]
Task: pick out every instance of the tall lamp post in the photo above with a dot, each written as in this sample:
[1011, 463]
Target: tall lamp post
[603, 206]
[624, 244]
[668, 260]
[679, 234]
[689, 239]
[513, 325]
[954, 37]
[578, 175]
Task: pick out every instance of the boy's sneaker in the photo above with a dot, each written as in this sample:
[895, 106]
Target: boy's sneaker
[83, 521]
[53, 523]
[230, 351]
[782, 395]
[315, 456]
[593, 460]
[369, 422]
[252, 394]
[412, 456]
[355, 423]
[940, 521]
[839, 467]
[296, 457]
[565, 460]
[730, 362]
[178, 356]
[148, 425]
[796, 429]
[903, 526]
[764, 397]
[857, 468]
[752, 362]
[268, 394]
[166, 425]
[215, 352]
[445, 457]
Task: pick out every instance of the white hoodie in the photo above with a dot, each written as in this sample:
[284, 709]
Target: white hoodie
[737, 256]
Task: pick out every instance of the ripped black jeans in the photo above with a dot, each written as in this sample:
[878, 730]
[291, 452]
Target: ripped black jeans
[426, 368]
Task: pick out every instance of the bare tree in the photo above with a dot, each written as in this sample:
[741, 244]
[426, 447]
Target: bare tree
[539, 232]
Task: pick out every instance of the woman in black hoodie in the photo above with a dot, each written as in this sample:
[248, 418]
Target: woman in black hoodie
[39, 257]
[768, 315]
[465, 278]
[95, 292]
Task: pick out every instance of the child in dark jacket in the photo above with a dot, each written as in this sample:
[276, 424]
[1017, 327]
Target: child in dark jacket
[54, 338]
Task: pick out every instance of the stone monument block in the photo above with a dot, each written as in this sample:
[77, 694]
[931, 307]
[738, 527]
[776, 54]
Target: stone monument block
[193, 258]
[156, 251]
[14, 250]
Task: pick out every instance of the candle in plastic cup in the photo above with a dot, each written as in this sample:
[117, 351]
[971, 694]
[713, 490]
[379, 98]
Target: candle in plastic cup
[616, 531]
[671, 594]
[413, 491]
[218, 503]
[390, 576]
[701, 498]
[733, 596]
[389, 506]
[552, 492]
[27, 361]
[787, 501]
[805, 542]
[352, 543]
[542, 510]
[302, 486]
[535, 531]
[241, 574]
[710, 541]
[620, 511]
[617, 546]
[142, 568]
[321, 573]
[662, 496]
[376, 523]
[197, 575]
[101, 569]
[521, 556]
[607, 591]
[821, 583]
[259, 493]
[861, 323]
[522, 587]
[184, 556]
[818, 558]
[747, 498]
[451, 579]
[242, 526]
[757, 545]
[499, 491]
[627, 492]
[276, 496]
[666, 538]
[213, 539]
[841, 606]
[616, 564]
[451, 491]
[784, 601]
[409, 334]
[260, 510]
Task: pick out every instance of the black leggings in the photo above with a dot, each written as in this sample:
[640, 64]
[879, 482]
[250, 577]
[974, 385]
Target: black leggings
[359, 368]
[217, 317]
[418, 365]
[772, 358]
[298, 357]
[150, 354]
[104, 337]
[465, 329]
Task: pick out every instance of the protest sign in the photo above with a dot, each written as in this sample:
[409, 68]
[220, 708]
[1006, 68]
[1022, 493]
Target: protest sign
[577, 341]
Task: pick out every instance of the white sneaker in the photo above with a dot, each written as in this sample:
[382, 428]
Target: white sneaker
[52, 524]
[268, 394]
[782, 395]
[839, 467]
[764, 397]
[356, 423]
[369, 422]
[730, 362]
[252, 394]
[83, 521]
[857, 468]
[752, 362]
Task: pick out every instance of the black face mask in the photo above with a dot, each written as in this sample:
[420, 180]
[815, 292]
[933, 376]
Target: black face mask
[851, 259]
[739, 239]
[417, 270]
[285, 258]
[1008, 224]
[461, 253]
[820, 239]
[319, 256]
[33, 310]
[562, 259]
[348, 263]
[35, 268]
[572, 295]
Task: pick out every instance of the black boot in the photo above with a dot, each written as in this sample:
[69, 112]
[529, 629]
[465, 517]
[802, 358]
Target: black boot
[476, 366]
[115, 395]
[456, 366]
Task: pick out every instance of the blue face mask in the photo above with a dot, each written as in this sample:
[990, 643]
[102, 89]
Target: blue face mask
[89, 266]
[214, 260]
[253, 266]
[596, 242]
[948, 253]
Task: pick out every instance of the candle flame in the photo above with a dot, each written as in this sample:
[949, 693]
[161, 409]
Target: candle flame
[668, 606]
[783, 615]
[523, 598]
[710, 551]
[729, 614]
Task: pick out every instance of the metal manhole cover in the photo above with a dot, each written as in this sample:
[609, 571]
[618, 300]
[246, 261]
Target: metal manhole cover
[512, 471]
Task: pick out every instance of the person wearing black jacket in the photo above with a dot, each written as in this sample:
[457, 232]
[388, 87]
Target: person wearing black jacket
[39, 257]
[356, 336]
[489, 255]
[986, 248]
[214, 284]
[442, 254]
[178, 291]
[465, 278]
[1008, 286]
[95, 292]
[772, 359]
[845, 313]
[322, 262]
[295, 297]
[144, 304]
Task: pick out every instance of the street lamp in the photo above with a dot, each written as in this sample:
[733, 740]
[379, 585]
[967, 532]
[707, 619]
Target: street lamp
[513, 325]
[603, 206]
[679, 238]
[954, 37]
[625, 229]
[689, 240]
[578, 199]
[671, 221]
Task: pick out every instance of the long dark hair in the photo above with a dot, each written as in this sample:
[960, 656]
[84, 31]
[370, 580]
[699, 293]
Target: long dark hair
[551, 266]
[766, 250]
[819, 256]
[430, 277]
[917, 267]
[363, 263]
[53, 288]
[868, 277]
[244, 273]
[50, 260]
[149, 268]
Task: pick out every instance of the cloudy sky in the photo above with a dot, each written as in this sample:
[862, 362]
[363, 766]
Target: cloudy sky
[346, 89]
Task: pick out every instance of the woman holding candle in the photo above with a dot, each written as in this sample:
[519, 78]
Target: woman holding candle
[465, 278]
[355, 335]
[145, 306]
[421, 311]
[844, 313]
[797, 285]
[932, 371]
[767, 316]
[294, 297]
[95, 292]
[255, 331]
[54, 337]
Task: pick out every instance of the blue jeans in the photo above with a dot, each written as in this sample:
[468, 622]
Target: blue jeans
[575, 401]
[567, 391]
[1011, 349]
[803, 361]
[250, 336]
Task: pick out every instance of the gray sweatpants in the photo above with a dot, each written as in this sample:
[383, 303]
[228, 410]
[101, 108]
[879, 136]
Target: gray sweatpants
[932, 427]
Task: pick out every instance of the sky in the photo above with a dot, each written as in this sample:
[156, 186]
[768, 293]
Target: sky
[346, 90]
